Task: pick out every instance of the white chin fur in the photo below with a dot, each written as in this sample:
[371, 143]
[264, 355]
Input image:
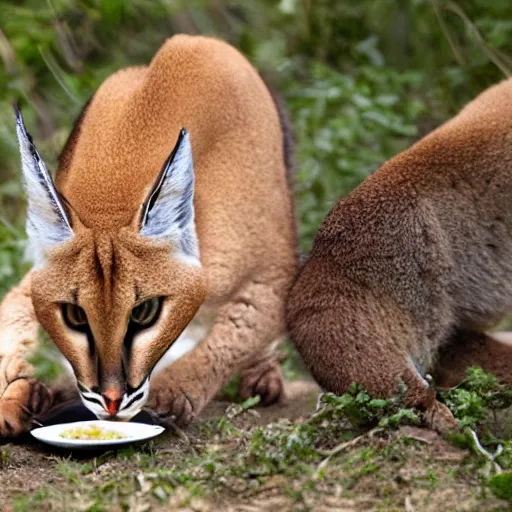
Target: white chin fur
[126, 412]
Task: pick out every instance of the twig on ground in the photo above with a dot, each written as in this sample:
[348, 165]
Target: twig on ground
[489, 456]
[235, 410]
[337, 449]
[169, 423]
[319, 402]
[181, 434]
[321, 409]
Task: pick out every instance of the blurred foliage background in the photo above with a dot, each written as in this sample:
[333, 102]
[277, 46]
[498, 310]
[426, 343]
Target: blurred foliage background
[362, 80]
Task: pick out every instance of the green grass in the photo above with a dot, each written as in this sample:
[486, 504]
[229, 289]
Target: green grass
[230, 460]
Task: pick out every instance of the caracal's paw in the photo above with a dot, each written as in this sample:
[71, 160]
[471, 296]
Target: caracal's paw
[439, 418]
[172, 403]
[264, 379]
[21, 396]
[22, 400]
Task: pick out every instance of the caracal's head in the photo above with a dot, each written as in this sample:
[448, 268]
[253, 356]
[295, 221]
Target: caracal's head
[114, 300]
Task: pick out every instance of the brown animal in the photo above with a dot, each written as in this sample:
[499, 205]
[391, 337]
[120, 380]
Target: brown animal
[408, 271]
[128, 254]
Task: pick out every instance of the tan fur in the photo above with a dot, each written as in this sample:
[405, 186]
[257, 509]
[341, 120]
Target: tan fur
[409, 269]
[244, 222]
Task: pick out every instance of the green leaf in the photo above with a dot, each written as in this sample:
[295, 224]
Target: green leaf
[501, 485]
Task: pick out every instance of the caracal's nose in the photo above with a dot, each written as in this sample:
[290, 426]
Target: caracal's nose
[112, 401]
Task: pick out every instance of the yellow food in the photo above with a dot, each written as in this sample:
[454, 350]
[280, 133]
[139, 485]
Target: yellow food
[92, 432]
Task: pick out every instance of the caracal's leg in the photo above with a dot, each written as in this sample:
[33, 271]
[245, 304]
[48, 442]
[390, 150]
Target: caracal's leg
[21, 396]
[265, 376]
[241, 340]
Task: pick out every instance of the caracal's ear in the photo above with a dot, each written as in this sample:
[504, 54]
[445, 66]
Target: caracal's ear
[47, 221]
[168, 212]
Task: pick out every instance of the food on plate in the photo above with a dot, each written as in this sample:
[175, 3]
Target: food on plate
[91, 432]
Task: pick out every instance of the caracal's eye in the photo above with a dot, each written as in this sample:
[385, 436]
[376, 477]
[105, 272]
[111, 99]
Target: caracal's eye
[74, 316]
[146, 314]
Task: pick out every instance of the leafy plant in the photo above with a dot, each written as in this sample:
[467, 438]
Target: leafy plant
[361, 410]
[477, 397]
[501, 485]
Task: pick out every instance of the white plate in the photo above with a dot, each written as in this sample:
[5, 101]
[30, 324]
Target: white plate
[133, 431]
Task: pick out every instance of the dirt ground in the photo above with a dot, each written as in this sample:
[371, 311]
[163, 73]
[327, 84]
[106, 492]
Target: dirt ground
[411, 469]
